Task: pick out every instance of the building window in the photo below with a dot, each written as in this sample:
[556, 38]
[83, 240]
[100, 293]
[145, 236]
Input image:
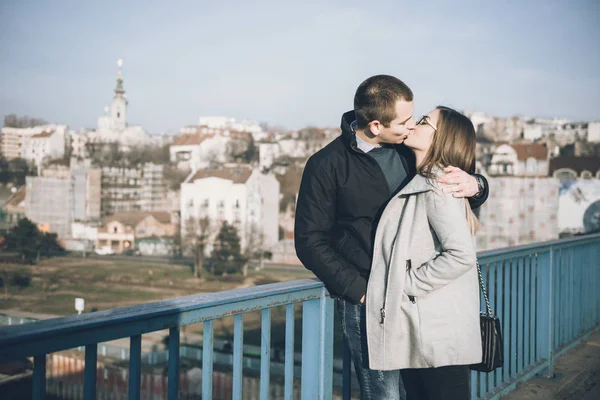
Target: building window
[586, 175]
[221, 204]
[205, 203]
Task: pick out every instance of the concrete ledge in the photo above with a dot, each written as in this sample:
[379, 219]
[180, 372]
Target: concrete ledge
[577, 376]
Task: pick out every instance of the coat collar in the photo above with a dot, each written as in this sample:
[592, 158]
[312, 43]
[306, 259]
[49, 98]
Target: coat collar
[420, 184]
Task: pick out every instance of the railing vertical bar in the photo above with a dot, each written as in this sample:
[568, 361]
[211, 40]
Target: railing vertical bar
[568, 316]
[575, 292]
[238, 356]
[39, 377]
[207, 359]
[474, 384]
[491, 287]
[310, 349]
[550, 316]
[562, 300]
[506, 321]
[536, 308]
[265, 353]
[499, 311]
[326, 346]
[481, 382]
[520, 313]
[289, 352]
[173, 367]
[90, 371]
[514, 327]
[528, 311]
[135, 366]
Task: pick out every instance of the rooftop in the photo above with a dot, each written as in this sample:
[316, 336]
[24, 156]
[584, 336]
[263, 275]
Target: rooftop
[237, 174]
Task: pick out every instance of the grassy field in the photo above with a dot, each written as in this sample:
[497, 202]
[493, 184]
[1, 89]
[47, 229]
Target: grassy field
[107, 283]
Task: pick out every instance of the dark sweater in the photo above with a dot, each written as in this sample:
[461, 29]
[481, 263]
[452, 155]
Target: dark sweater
[391, 166]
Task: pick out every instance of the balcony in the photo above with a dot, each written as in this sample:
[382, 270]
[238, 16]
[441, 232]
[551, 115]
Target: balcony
[545, 295]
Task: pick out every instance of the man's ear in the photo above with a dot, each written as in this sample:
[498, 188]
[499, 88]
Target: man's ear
[375, 127]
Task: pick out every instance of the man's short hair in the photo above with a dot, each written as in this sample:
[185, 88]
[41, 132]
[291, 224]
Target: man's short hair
[376, 98]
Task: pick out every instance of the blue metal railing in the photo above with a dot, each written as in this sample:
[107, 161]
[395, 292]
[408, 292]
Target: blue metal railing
[545, 295]
[48, 336]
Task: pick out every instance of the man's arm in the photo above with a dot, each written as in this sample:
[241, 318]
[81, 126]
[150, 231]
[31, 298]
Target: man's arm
[462, 184]
[315, 218]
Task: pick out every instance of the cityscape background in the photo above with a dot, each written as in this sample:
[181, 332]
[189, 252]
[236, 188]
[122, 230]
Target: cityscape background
[151, 151]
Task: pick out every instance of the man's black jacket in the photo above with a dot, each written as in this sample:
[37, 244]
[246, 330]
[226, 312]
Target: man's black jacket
[342, 194]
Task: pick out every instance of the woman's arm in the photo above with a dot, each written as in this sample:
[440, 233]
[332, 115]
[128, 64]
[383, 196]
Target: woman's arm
[447, 218]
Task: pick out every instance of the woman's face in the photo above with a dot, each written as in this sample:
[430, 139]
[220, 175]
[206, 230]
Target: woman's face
[420, 138]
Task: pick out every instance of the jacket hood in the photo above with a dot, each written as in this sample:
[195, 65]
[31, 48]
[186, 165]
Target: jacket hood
[346, 125]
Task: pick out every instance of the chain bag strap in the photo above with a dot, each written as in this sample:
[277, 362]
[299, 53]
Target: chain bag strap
[491, 335]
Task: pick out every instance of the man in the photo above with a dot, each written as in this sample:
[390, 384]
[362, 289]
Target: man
[345, 186]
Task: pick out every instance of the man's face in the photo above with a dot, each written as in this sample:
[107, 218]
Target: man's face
[399, 128]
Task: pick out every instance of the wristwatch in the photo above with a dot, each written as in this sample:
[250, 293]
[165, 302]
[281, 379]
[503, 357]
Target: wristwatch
[480, 185]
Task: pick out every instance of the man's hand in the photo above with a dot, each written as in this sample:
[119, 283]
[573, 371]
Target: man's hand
[458, 182]
[362, 299]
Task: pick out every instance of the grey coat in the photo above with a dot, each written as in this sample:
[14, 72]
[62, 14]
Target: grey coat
[423, 295]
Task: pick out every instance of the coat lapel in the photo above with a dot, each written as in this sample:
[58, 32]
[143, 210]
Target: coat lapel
[418, 184]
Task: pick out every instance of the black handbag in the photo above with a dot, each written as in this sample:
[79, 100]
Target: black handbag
[491, 335]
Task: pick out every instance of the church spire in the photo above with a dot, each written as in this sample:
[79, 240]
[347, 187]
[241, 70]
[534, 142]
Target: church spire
[119, 91]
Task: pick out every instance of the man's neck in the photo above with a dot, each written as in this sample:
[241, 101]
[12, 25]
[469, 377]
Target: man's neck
[419, 157]
[368, 137]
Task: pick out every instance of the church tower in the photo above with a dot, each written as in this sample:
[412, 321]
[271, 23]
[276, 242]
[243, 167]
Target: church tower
[118, 109]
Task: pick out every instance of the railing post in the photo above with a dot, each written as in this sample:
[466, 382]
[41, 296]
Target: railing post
[90, 371]
[173, 364]
[551, 316]
[326, 346]
[135, 366]
[310, 349]
[317, 348]
[39, 377]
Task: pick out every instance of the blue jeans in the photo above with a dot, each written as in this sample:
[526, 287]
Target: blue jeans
[374, 385]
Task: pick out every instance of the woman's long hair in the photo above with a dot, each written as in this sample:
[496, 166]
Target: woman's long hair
[453, 143]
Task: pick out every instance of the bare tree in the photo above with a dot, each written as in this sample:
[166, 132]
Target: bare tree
[198, 233]
[4, 278]
[255, 247]
[16, 121]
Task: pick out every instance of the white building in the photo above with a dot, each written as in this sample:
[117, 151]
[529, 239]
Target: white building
[45, 146]
[227, 123]
[238, 194]
[43, 142]
[199, 147]
[519, 160]
[519, 210]
[113, 126]
[49, 203]
[540, 127]
[593, 132]
[267, 154]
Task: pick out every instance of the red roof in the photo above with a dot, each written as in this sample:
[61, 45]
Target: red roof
[191, 139]
[525, 151]
[237, 174]
[43, 134]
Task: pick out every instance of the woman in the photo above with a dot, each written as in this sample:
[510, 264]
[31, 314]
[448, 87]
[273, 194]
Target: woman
[423, 293]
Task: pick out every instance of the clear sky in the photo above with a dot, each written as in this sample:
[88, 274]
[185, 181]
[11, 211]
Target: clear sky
[295, 63]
